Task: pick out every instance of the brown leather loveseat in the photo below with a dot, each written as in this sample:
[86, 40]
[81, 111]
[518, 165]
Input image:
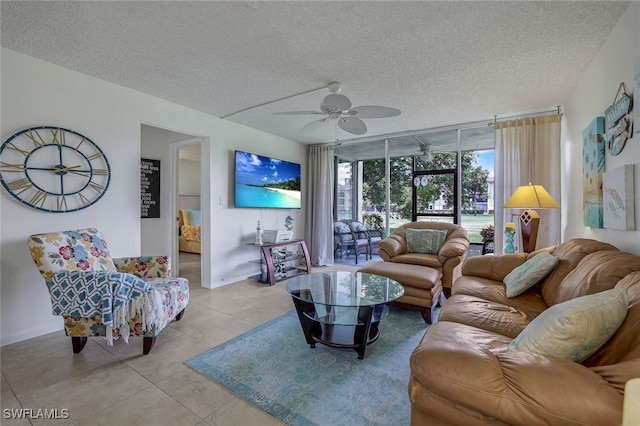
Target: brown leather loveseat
[464, 372]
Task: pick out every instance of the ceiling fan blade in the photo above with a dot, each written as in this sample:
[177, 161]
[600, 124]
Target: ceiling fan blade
[335, 102]
[352, 125]
[372, 111]
[315, 125]
[298, 113]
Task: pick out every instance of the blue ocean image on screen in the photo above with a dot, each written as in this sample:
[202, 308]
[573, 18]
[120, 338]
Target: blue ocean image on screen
[266, 182]
[252, 196]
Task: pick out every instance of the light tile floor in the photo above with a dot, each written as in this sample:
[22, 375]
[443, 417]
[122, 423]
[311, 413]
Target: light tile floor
[118, 385]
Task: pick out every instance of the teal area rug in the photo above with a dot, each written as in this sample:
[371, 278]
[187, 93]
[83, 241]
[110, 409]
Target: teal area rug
[273, 368]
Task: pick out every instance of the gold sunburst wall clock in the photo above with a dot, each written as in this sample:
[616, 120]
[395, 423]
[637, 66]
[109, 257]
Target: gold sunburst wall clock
[53, 169]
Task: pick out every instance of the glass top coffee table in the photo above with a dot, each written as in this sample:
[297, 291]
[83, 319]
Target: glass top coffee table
[342, 309]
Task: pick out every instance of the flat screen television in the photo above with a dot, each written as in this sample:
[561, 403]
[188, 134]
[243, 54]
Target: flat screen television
[266, 182]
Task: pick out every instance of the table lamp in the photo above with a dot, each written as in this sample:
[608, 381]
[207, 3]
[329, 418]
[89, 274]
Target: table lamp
[530, 197]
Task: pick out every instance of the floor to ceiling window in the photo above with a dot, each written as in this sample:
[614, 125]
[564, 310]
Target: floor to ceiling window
[344, 190]
[442, 175]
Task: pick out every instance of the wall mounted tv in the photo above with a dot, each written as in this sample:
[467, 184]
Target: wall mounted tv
[266, 182]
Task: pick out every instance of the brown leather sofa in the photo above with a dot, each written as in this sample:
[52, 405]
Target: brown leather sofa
[463, 373]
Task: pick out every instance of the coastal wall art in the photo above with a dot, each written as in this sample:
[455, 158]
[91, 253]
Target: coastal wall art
[618, 198]
[619, 121]
[593, 168]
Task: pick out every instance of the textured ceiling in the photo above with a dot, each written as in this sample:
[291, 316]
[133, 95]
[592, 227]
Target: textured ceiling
[441, 63]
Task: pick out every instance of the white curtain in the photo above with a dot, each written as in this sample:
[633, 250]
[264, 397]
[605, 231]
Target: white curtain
[319, 204]
[527, 151]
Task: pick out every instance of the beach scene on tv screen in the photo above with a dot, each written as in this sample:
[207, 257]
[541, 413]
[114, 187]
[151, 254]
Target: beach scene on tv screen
[266, 182]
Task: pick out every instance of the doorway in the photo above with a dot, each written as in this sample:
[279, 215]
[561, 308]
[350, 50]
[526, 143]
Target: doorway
[189, 208]
[434, 196]
[160, 235]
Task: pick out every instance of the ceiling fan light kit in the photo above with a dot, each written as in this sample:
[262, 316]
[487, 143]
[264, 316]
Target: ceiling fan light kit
[338, 108]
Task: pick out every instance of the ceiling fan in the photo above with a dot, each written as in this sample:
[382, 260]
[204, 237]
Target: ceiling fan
[424, 152]
[336, 107]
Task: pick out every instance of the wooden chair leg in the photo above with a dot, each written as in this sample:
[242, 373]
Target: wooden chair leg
[426, 315]
[78, 343]
[147, 344]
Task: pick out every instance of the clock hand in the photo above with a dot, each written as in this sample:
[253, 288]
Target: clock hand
[65, 169]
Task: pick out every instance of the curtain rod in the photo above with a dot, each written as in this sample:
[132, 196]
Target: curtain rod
[468, 125]
[527, 115]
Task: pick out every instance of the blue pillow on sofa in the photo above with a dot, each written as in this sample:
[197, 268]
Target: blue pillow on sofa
[575, 329]
[529, 273]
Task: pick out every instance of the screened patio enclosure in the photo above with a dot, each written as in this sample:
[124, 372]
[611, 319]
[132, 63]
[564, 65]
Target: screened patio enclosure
[439, 175]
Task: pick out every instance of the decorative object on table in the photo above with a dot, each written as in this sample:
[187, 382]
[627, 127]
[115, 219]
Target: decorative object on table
[530, 197]
[276, 235]
[288, 223]
[509, 232]
[619, 201]
[619, 121]
[488, 243]
[258, 240]
[593, 168]
[53, 169]
[487, 233]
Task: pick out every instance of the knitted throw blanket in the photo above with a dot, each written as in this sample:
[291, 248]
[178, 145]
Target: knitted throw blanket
[117, 296]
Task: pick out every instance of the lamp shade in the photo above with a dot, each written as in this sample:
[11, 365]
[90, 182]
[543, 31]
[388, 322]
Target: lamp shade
[531, 197]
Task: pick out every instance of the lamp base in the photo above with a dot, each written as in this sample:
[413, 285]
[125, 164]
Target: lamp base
[529, 223]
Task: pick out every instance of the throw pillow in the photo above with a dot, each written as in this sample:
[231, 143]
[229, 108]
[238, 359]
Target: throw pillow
[575, 329]
[427, 241]
[186, 217]
[529, 273]
[343, 230]
[194, 216]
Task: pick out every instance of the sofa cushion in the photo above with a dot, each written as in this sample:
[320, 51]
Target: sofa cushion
[427, 241]
[596, 272]
[625, 343]
[494, 316]
[473, 372]
[570, 253]
[529, 273]
[575, 329]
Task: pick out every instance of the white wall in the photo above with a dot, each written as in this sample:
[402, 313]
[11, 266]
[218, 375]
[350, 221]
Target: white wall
[34, 93]
[615, 63]
[189, 177]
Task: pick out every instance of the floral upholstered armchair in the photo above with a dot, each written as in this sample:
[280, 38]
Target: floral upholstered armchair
[100, 296]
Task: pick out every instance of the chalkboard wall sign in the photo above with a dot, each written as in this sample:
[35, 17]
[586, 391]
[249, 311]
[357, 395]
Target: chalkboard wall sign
[149, 188]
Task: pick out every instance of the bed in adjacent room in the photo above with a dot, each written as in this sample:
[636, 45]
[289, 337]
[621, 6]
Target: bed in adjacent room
[189, 223]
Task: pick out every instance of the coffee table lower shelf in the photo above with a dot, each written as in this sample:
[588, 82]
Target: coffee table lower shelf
[355, 331]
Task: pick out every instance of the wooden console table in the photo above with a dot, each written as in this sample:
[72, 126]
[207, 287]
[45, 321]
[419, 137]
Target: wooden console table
[276, 262]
